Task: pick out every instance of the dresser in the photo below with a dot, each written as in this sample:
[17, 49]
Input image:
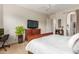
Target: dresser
[32, 33]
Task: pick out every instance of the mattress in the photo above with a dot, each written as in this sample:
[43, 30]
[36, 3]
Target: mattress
[52, 44]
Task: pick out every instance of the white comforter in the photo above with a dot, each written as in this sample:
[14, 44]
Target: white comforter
[52, 44]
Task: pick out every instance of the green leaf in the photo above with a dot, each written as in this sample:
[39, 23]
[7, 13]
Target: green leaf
[20, 30]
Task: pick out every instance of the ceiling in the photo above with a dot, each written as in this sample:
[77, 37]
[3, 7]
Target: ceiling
[48, 8]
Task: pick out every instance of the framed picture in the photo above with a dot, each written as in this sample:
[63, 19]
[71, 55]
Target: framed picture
[59, 23]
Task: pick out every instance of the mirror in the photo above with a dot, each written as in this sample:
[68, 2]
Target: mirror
[59, 23]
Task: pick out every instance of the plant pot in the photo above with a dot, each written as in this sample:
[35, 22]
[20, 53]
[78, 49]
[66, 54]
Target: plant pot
[20, 38]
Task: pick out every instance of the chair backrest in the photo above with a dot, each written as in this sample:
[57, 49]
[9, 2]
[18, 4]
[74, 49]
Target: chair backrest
[5, 37]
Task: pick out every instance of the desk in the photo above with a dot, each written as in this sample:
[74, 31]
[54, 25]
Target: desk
[0, 37]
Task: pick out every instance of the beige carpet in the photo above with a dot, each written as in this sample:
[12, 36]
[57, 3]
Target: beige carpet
[15, 49]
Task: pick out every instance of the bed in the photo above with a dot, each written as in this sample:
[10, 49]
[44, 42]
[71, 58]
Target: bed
[53, 44]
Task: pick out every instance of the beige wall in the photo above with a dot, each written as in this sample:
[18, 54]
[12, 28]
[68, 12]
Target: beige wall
[1, 16]
[49, 25]
[63, 16]
[15, 15]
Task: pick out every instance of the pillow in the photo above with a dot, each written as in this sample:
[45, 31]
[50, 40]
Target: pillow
[76, 47]
[73, 43]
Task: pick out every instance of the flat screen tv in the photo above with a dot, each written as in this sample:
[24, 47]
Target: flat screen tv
[1, 31]
[32, 24]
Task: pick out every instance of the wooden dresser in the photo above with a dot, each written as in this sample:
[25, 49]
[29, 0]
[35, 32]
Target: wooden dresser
[31, 33]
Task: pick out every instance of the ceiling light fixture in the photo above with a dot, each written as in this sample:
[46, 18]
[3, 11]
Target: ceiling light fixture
[48, 7]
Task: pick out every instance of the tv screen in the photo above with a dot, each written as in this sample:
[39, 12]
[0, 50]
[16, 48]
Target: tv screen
[1, 31]
[32, 24]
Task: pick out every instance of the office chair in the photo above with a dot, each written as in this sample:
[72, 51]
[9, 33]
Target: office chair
[4, 40]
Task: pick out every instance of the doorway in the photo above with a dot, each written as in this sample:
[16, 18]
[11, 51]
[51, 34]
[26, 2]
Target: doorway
[71, 24]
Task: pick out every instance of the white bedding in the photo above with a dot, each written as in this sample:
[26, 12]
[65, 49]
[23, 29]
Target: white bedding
[52, 44]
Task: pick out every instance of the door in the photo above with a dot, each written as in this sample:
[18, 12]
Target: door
[71, 24]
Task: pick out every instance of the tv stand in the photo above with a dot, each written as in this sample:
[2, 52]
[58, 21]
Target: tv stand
[31, 33]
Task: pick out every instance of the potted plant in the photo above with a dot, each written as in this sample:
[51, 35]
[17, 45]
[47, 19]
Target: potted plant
[19, 33]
